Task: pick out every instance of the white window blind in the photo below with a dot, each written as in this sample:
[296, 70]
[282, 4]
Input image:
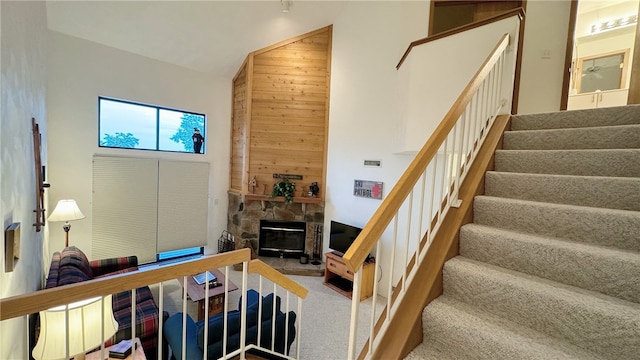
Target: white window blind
[141, 206]
[182, 205]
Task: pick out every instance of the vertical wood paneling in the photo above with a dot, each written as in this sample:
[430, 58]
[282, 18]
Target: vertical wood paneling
[238, 130]
[326, 108]
[248, 124]
[289, 110]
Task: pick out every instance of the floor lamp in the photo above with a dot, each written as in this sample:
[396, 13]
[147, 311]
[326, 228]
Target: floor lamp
[66, 210]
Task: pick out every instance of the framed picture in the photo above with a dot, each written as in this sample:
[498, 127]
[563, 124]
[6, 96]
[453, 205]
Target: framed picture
[367, 189]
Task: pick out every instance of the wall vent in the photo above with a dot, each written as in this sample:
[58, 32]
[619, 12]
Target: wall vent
[375, 163]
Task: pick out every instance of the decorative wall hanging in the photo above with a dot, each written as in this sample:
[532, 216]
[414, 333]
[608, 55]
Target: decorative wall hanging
[40, 185]
[367, 189]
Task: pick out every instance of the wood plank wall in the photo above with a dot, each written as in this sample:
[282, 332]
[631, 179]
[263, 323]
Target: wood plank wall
[286, 128]
[238, 129]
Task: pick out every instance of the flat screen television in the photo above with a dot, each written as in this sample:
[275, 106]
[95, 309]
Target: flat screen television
[341, 236]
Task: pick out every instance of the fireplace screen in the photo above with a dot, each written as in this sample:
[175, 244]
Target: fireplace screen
[282, 238]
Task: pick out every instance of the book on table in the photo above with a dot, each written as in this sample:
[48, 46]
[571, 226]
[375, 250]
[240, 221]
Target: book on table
[121, 350]
[202, 278]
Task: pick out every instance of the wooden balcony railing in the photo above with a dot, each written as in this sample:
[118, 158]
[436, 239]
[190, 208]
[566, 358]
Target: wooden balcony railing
[26, 304]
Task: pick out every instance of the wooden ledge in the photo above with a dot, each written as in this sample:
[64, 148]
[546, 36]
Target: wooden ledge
[303, 200]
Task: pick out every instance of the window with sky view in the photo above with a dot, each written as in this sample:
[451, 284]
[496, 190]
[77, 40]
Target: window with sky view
[124, 124]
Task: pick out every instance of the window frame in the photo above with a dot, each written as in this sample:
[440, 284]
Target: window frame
[623, 72]
[157, 125]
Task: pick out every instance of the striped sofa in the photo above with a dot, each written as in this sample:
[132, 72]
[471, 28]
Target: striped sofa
[71, 266]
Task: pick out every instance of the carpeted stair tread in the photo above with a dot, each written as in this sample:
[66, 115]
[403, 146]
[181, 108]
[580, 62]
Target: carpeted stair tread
[600, 162]
[461, 331]
[619, 115]
[550, 266]
[602, 137]
[427, 352]
[608, 271]
[597, 191]
[598, 323]
[589, 225]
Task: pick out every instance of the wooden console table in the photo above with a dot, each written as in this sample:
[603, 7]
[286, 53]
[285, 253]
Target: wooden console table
[338, 277]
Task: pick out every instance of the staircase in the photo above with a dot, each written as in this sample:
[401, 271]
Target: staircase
[550, 267]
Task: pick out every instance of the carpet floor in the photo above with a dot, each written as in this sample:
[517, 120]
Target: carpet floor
[326, 314]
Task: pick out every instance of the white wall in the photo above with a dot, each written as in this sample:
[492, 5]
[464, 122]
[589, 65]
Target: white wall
[365, 106]
[435, 73]
[80, 71]
[22, 96]
[545, 44]
[368, 41]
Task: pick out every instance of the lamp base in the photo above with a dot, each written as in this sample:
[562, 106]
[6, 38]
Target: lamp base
[66, 227]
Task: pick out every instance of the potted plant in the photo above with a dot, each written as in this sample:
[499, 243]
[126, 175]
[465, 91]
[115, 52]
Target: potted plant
[284, 188]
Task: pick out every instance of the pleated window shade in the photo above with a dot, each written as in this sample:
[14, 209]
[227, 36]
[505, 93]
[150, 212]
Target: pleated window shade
[145, 206]
[183, 205]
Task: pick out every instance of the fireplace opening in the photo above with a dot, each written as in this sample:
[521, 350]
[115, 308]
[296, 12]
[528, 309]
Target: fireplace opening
[282, 238]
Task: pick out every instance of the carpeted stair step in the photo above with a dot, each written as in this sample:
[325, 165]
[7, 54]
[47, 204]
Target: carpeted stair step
[605, 137]
[598, 191]
[608, 271]
[601, 324]
[601, 162]
[455, 330]
[620, 115]
[588, 225]
[429, 352]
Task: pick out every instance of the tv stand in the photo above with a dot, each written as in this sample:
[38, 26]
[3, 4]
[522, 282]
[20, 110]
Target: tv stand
[338, 277]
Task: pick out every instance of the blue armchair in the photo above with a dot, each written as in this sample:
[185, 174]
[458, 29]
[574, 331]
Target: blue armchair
[195, 330]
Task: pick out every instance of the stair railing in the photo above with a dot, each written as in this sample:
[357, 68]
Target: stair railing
[20, 307]
[434, 176]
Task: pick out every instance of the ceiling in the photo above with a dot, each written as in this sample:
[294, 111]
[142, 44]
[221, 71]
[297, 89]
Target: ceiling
[210, 36]
[585, 6]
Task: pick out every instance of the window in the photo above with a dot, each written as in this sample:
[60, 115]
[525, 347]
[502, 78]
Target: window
[124, 124]
[180, 254]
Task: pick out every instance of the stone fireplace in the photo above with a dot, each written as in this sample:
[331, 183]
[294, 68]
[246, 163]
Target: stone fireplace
[244, 220]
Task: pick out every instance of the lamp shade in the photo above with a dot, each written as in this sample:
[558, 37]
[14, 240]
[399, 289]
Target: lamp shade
[85, 318]
[66, 210]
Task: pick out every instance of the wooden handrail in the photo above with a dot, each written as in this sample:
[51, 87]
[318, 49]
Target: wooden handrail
[259, 267]
[476, 24]
[33, 302]
[372, 231]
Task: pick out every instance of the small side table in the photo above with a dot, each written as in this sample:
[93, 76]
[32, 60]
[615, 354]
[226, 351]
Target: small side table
[139, 353]
[216, 295]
